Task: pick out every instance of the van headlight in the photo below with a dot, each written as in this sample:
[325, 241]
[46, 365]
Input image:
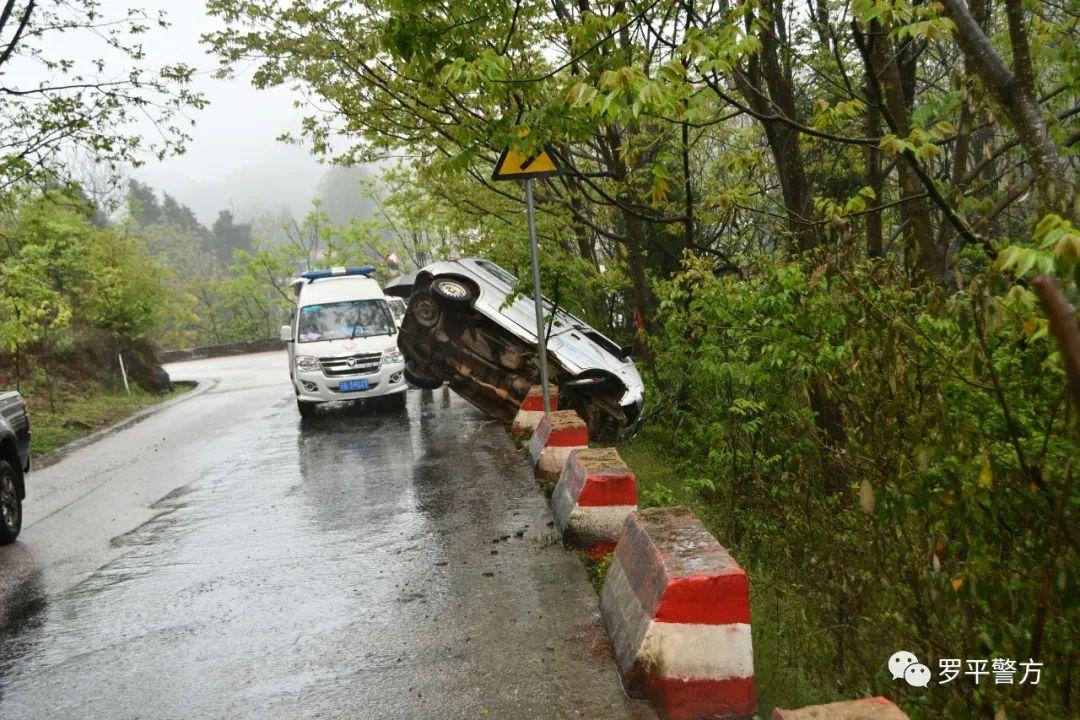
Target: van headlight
[306, 363]
[392, 356]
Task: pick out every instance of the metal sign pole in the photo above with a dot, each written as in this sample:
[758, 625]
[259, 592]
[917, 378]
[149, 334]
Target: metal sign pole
[541, 339]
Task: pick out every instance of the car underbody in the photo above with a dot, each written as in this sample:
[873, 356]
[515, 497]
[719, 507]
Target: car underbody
[493, 369]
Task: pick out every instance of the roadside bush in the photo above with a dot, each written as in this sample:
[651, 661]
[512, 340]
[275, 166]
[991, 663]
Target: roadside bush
[898, 462]
[73, 295]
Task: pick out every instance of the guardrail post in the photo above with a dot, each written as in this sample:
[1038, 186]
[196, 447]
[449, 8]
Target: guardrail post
[532, 411]
[556, 435]
[677, 609]
[595, 493]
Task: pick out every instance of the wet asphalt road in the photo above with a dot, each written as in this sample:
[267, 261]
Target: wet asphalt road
[222, 560]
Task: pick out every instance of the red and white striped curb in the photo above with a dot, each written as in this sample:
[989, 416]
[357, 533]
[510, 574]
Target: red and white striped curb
[532, 410]
[875, 708]
[595, 493]
[556, 435]
[677, 610]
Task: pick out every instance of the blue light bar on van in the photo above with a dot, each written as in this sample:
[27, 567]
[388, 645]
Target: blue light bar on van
[365, 270]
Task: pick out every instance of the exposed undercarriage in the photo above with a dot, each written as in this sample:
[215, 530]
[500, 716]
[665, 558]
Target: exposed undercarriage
[493, 369]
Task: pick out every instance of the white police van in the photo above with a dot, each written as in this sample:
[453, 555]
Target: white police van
[397, 309]
[342, 342]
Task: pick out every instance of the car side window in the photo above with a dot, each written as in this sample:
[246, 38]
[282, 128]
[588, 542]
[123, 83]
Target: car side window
[497, 272]
[602, 341]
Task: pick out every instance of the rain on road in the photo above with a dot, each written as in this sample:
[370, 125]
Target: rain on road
[221, 559]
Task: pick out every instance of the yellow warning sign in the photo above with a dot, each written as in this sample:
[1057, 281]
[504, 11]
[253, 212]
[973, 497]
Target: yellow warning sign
[513, 165]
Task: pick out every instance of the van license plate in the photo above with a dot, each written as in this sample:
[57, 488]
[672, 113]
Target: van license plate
[351, 385]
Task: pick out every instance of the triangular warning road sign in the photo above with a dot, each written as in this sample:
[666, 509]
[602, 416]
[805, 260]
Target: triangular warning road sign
[513, 165]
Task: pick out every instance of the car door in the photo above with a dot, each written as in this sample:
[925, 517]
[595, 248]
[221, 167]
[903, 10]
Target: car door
[522, 311]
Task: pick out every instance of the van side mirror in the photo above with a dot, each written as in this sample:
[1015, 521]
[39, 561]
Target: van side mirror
[286, 333]
[625, 352]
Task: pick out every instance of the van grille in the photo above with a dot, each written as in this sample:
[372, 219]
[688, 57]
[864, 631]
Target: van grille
[361, 364]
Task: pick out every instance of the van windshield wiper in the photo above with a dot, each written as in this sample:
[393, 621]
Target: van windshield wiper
[352, 333]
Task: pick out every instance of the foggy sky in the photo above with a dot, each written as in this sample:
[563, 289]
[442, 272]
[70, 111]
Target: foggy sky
[233, 161]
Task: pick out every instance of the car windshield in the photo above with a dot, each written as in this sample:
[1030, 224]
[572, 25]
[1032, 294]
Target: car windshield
[343, 320]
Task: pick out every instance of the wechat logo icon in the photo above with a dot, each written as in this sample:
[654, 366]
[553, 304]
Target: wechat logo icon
[906, 666]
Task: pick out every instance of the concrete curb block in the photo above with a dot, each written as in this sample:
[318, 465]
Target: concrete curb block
[676, 606]
[556, 435]
[532, 410]
[595, 493]
[876, 708]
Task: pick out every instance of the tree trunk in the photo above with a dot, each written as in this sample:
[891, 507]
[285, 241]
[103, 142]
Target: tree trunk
[1017, 97]
[875, 245]
[582, 233]
[962, 146]
[636, 268]
[919, 235]
[688, 191]
[768, 91]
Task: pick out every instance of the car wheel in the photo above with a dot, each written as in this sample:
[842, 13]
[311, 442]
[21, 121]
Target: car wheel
[307, 409]
[10, 505]
[451, 292]
[424, 310]
[421, 381]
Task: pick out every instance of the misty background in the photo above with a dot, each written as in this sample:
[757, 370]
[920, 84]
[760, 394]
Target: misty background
[234, 160]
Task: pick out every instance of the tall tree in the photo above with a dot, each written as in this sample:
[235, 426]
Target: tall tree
[1016, 93]
[54, 104]
[721, 127]
[143, 203]
[228, 236]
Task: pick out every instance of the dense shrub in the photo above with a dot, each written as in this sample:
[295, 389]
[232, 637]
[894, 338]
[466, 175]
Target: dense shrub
[74, 293]
[897, 462]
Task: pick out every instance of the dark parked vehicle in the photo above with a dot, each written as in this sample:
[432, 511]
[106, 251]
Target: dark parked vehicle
[14, 463]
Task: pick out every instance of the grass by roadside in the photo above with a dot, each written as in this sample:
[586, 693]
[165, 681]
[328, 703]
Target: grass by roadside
[74, 416]
[597, 569]
[786, 677]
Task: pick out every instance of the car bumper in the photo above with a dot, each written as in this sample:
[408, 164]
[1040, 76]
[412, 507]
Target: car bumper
[316, 387]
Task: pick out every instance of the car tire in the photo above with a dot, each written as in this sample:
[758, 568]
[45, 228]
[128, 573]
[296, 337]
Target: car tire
[421, 381]
[10, 504]
[424, 310]
[452, 292]
[307, 409]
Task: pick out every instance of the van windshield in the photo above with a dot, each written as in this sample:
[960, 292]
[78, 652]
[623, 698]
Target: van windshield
[344, 320]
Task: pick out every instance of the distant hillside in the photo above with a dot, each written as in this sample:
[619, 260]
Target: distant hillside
[273, 186]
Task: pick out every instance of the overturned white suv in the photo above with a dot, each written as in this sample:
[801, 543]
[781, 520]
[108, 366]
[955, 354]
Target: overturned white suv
[342, 341]
[460, 329]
